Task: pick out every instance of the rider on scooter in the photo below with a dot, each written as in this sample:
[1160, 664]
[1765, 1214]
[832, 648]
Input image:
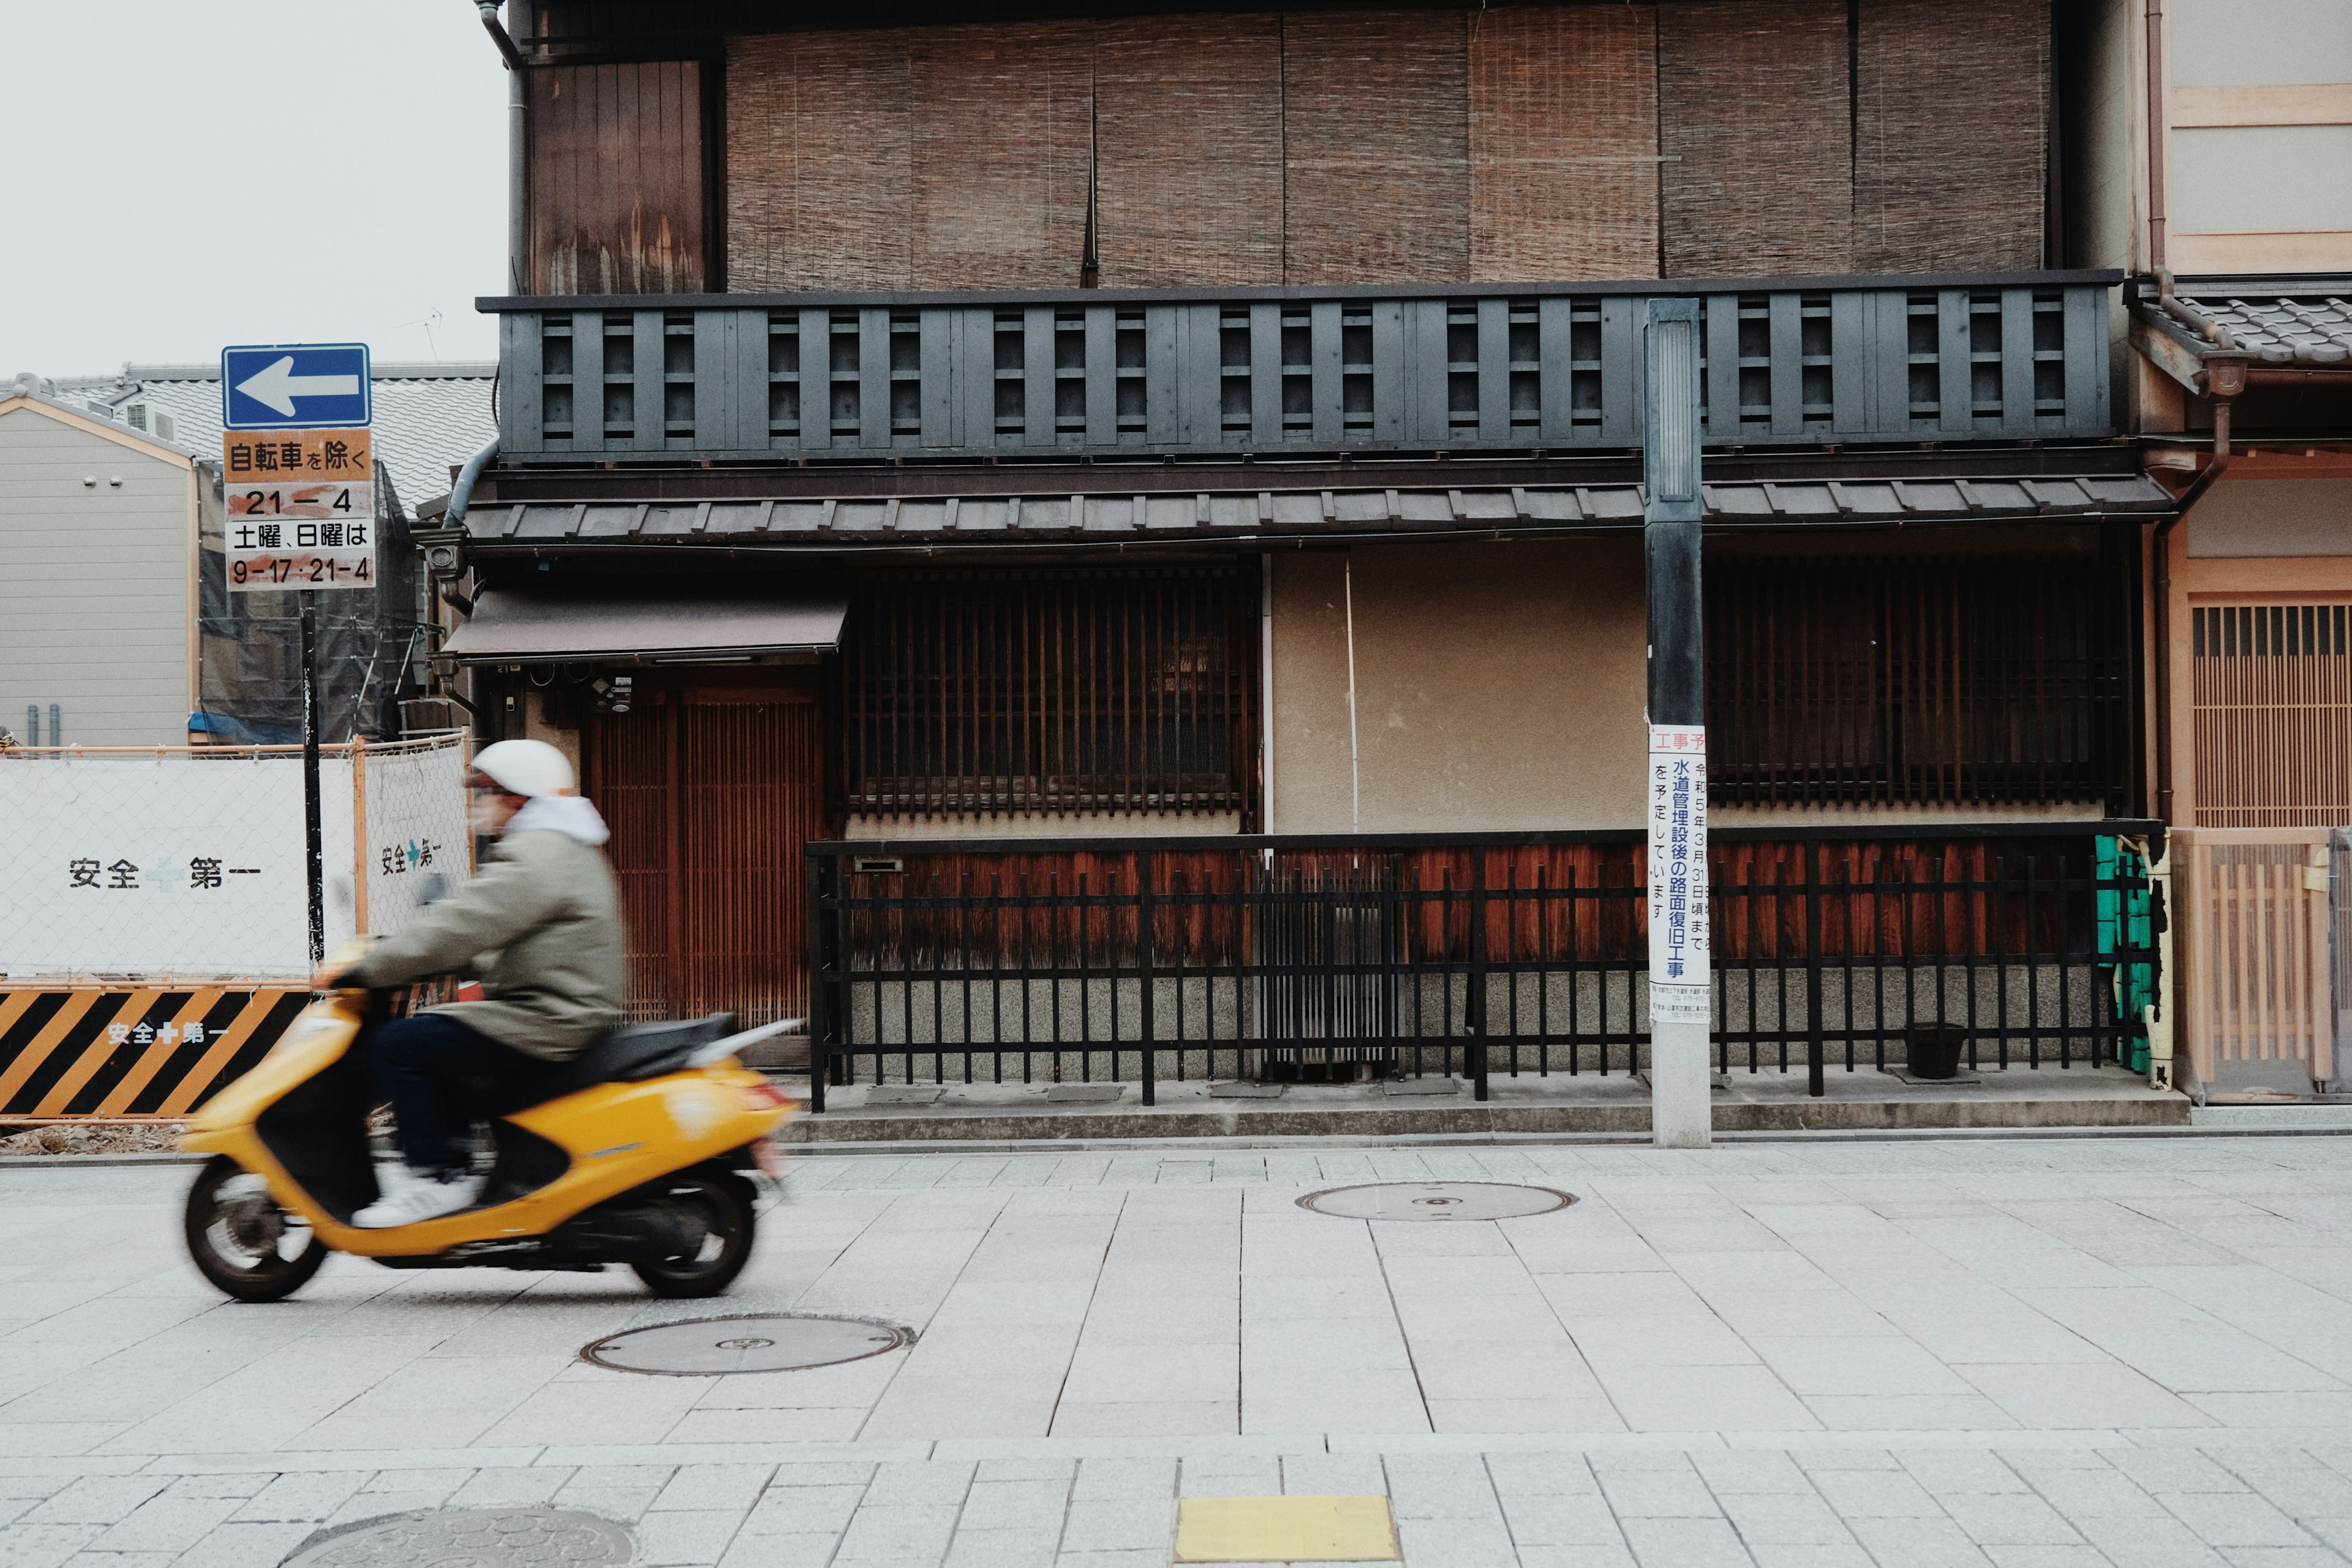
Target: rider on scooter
[540, 925]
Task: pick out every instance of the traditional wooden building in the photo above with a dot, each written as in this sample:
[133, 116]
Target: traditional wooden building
[1002, 435]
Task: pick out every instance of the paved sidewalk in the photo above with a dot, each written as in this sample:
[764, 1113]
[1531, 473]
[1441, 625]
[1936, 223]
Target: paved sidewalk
[2015, 1352]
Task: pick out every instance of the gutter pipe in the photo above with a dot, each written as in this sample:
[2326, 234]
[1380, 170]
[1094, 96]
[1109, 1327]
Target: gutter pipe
[2158, 128]
[517, 108]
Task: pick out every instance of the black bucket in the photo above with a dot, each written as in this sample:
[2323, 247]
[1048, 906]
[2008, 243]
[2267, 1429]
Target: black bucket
[1933, 1050]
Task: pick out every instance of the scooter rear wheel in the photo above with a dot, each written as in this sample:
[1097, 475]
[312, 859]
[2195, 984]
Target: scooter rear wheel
[242, 1241]
[718, 1213]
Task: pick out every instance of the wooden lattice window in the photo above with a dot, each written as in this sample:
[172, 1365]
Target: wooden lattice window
[1914, 680]
[1050, 692]
[2273, 714]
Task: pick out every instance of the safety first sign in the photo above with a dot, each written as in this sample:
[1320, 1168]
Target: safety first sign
[302, 508]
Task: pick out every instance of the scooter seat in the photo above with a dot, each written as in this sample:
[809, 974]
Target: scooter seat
[624, 1056]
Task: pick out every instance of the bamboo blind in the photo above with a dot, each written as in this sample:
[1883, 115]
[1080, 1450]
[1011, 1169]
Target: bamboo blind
[1563, 142]
[2257, 981]
[1951, 110]
[1037, 691]
[1003, 142]
[1189, 149]
[1376, 147]
[819, 161]
[1754, 119]
[2271, 689]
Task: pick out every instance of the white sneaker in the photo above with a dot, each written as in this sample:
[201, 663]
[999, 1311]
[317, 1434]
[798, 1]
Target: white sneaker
[418, 1197]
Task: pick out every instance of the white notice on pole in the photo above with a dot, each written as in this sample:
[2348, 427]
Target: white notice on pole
[1679, 951]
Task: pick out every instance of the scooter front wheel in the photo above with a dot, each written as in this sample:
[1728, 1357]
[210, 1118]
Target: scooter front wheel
[242, 1241]
[715, 1213]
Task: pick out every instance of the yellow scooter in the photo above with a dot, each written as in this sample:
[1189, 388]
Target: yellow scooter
[647, 1150]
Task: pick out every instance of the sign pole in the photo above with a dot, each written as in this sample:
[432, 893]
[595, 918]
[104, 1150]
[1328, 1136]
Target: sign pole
[298, 471]
[313, 861]
[1681, 975]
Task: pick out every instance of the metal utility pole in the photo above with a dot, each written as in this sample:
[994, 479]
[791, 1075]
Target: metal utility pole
[313, 862]
[1674, 784]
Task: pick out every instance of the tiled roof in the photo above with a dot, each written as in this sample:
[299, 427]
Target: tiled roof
[937, 520]
[428, 417]
[2308, 326]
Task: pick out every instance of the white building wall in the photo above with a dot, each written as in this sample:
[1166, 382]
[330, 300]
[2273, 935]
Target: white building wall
[94, 588]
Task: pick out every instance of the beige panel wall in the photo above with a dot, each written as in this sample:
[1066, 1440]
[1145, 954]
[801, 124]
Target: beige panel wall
[94, 601]
[1498, 686]
[2273, 517]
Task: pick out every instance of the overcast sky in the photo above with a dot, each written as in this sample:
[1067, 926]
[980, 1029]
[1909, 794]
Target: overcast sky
[185, 175]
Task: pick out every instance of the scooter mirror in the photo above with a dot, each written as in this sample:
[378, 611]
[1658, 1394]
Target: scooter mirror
[432, 888]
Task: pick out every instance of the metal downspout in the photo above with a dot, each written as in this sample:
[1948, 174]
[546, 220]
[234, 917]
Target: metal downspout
[2188, 497]
[518, 216]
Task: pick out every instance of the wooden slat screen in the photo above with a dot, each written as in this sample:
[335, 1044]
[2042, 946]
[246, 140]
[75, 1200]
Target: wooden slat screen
[1041, 691]
[2273, 696]
[711, 797]
[1189, 143]
[1753, 122]
[1916, 681]
[1376, 147]
[1002, 139]
[1563, 138]
[1952, 107]
[819, 163]
[617, 179]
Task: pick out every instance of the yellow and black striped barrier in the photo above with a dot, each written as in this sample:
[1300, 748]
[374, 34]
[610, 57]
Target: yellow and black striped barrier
[130, 1051]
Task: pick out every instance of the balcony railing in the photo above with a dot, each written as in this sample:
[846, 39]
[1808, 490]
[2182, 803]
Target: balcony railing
[1266, 372]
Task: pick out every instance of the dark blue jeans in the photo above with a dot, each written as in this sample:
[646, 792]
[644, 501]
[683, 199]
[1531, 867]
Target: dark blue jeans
[426, 1066]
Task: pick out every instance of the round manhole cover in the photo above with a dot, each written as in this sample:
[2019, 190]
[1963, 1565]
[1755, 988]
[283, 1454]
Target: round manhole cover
[1436, 1200]
[473, 1538]
[773, 1343]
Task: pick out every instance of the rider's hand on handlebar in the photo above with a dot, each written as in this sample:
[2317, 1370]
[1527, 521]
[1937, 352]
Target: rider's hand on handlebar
[326, 978]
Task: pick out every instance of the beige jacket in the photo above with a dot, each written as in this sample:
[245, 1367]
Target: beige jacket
[540, 925]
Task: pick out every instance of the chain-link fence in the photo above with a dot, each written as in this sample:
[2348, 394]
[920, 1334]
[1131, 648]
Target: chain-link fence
[171, 863]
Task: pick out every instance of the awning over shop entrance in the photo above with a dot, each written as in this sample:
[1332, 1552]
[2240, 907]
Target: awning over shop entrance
[538, 625]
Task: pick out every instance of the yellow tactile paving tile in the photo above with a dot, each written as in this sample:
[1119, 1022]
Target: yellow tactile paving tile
[1285, 1530]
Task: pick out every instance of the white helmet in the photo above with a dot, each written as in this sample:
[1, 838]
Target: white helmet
[531, 768]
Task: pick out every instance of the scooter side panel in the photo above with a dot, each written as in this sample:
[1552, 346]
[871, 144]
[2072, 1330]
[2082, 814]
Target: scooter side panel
[619, 1135]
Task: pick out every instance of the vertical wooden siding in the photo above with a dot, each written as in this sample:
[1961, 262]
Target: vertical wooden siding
[2273, 696]
[820, 156]
[1001, 145]
[617, 179]
[1952, 107]
[711, 797]
[1188, 136]
[1754, 123]
[1563, 138]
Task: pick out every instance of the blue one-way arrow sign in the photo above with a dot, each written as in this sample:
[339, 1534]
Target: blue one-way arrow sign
[304, 386]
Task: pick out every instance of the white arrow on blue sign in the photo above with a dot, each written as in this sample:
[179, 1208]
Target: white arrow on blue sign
[286, 386]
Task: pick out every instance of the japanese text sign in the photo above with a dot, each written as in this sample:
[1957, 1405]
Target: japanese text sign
[1680, 951]
[302, 508]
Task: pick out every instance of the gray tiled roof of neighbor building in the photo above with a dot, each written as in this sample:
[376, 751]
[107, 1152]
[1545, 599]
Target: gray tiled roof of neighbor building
[429, 415]
[1100, 518]
[2310, 324]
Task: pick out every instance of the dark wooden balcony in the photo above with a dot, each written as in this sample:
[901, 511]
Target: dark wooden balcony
[1291, 371]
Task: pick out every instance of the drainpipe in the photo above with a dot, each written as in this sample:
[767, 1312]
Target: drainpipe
[2232, 376]
[1265, 691]
[517, 89]
[2159, 130]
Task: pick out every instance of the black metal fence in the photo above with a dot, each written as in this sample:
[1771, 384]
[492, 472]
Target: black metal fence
[1127, 959]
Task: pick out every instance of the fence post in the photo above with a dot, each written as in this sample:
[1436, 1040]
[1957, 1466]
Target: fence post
[820, 1019]
[1815, 1087]
[1143, 956]
[1474, 1006]
[358, 836]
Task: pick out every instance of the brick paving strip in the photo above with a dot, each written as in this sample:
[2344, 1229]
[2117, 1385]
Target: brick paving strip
[2028, 1353]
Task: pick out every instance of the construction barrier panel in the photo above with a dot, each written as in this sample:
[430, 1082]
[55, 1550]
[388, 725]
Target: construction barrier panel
[154, 937]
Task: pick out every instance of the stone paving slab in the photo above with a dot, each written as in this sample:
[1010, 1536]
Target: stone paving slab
[1991, 1353]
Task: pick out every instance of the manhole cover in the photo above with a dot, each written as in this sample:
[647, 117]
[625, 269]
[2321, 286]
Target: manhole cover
[773, 1343]
[473, 1538]
[1436, 1200]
